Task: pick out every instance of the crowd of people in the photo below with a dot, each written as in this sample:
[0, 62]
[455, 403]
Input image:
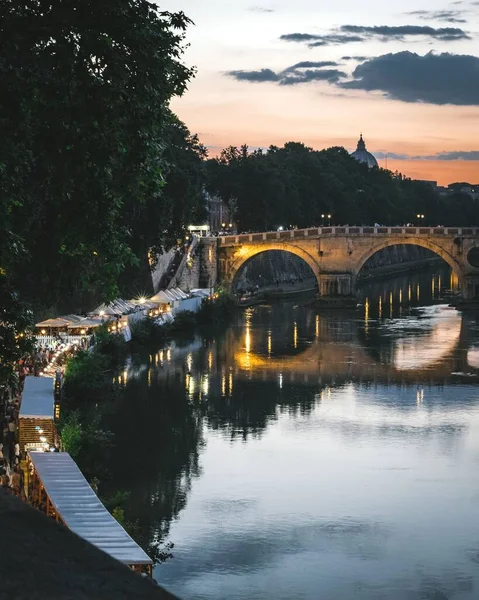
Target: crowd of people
[11, 475]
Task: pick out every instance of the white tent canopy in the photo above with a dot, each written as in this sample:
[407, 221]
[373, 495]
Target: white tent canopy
[168, 296]
[37, 398]
[80, 509]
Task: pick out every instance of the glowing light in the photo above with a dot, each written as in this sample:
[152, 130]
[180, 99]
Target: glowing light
[317, 326]
[295, 335]
[280, 381]
[230, 383]
[102, 312]
[206, 385]
[43, 332]
[418, 291]
[400, 296]
[247, 340]
[409, 293]
[189, 361]
[210, 360]
[43, 439]
[125, 375]
[380, 309]
[269, 342]
[142, 300]
[223, 385]
[168, 354]
[366, 315]
[82, 331]
[433, 286]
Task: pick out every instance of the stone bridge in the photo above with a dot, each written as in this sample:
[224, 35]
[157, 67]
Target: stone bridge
[336, 255]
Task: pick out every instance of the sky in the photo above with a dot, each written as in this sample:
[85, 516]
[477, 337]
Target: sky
[406, 75]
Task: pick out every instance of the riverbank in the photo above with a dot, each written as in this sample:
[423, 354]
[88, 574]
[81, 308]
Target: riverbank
[399, 268]
[91, 395]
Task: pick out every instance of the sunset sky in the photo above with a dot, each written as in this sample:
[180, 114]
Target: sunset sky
[320, 72]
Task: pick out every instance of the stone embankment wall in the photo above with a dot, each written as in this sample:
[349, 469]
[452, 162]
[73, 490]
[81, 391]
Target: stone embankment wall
[162, 267]
[398, 258]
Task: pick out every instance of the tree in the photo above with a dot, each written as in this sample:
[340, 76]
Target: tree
[84, 89]
[15, 333]
[295, 185]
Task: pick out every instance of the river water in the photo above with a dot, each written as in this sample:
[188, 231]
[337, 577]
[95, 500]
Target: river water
[304, 455]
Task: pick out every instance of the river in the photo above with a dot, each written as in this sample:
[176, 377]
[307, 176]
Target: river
[304, 455]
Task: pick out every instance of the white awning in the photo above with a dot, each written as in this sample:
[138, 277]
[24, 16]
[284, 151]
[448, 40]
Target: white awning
[37, 398]
[168, 296]
[81, 510]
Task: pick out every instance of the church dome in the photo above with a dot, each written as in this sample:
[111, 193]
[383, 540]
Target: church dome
[362, 155]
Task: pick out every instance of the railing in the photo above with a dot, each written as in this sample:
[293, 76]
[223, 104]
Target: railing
[44, 341]
[314, 232]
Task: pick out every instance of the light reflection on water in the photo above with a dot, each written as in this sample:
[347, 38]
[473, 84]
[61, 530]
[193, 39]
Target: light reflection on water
[337, 453]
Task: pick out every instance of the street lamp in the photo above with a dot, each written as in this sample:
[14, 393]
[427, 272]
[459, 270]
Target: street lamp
[329, 220]
[322, 222]
[420, 218]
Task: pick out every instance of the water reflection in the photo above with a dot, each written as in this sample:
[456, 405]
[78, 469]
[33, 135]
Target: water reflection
[312, 455]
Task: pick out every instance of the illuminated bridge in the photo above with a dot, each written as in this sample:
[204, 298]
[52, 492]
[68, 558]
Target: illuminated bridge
[336, 255]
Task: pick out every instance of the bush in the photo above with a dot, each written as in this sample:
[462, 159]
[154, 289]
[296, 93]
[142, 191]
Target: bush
[147, 332]
[111, 345]
[216, 310]
[185, 322]
[72, 434]
[87, 376]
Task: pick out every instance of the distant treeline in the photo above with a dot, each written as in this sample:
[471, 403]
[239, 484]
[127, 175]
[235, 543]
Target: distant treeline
[296, 185]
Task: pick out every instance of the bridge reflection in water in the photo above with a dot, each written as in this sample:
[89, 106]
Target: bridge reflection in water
[403, 331]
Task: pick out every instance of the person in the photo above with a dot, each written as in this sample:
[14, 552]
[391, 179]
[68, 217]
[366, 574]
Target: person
[16, 481]
[1, 451]
[12, 428]
[17, 454]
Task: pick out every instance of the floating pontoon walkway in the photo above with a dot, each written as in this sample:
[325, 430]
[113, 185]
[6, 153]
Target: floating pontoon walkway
[72, 501]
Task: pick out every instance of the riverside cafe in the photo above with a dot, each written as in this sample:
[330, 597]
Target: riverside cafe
[58, 488]
[69, 329]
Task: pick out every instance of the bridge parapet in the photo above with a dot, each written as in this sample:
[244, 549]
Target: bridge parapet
[318, 232]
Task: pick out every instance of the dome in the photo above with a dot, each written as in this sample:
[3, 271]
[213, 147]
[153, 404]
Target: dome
[362, 155]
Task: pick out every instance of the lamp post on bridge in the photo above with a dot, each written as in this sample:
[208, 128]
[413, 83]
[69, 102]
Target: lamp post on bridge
[420, 219]
[322, 220]
[329, 220]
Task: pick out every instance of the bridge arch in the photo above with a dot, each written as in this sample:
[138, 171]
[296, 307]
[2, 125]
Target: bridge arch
[411, 241]
[246, 252]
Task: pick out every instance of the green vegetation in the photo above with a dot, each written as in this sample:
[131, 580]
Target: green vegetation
[213, 312]
[295, 185]
[95, 170]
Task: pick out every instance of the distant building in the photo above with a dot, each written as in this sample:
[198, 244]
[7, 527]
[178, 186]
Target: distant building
[465, 188]
[433, 184]
[362, 155]
[219, 216]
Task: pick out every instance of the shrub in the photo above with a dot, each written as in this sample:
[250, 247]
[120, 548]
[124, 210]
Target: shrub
[87, 376]
[72, 434]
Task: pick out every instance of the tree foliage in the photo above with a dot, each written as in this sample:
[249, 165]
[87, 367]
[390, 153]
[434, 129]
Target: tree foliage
[295, 185]
[84, 92]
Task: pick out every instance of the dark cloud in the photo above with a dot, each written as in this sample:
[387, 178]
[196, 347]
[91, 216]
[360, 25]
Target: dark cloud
[433, 78]
[307, 64]
[347, 34]
[314, 41]
[450, 16]
[255, 76]
[399, 32]
[358, 58]
[455, 155]
[331, 75]
[302, 72]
